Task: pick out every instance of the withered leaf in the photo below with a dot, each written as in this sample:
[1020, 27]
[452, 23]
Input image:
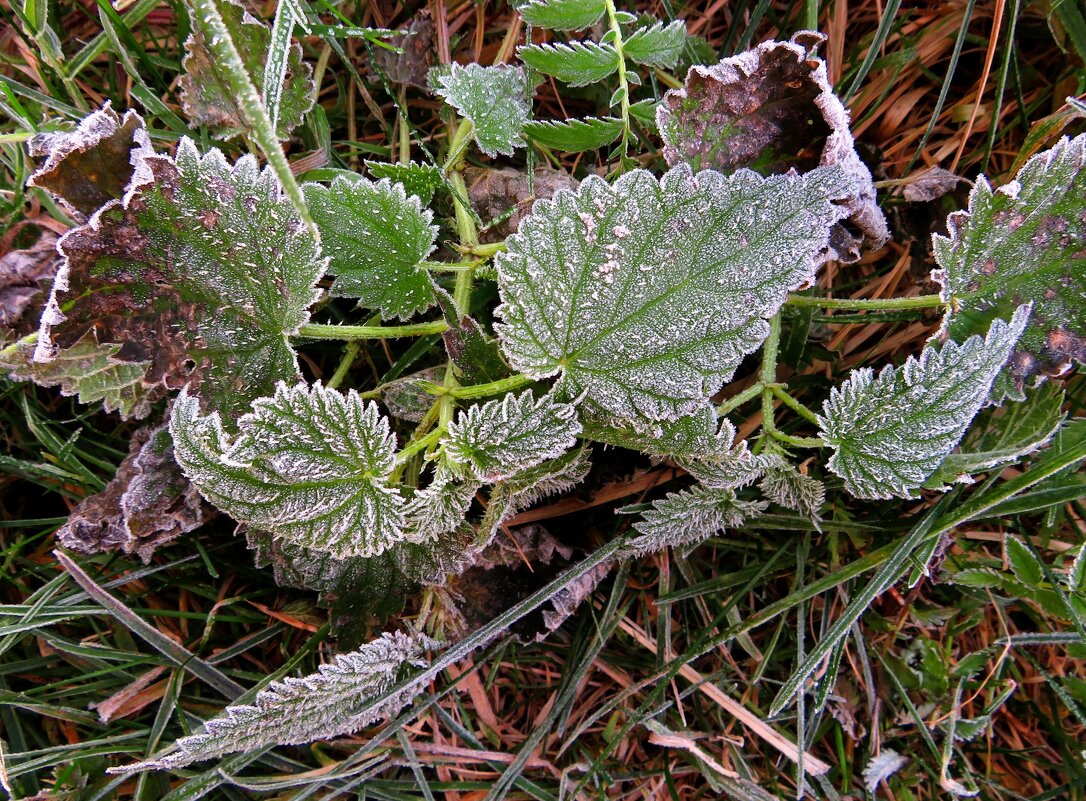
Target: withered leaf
[25, 275]
[503, 196]
[412, 63]
[200, 275]
[148, 504]
[92, 165]
[770, 109]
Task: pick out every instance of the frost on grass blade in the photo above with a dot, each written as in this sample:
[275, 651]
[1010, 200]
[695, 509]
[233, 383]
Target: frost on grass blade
[493, 99]
[322, 705]
[771, 109]
[310, 465]
[92, 165]
[501, 438]
[563, 15]
[206, 96]
[657, 45]
[574, 136]
[376, 236]
[417, 178]
[200, 275]
[645, 295]
[689, 517]
[891, 432]
[575, 63]
[1023, 242]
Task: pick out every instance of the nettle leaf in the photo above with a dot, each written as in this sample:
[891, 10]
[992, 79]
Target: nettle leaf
[563, 15]
[417, 178]
[574, 136]
[645, 295]
[891, 432]
[499, 439]
[200, 275]
[494, 99]
[310, 465]
[319, 706]
[771, 109]
[689, 517]
[439, 508]
[575, 63]
[376, 236]
[409, 398]
[1023, 242]
[552, 477]
[657, 45]
[90, 166]
[785, 486]
[474, 354]
[206, 96]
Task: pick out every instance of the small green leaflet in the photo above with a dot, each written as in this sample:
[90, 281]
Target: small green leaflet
[563, 15]
[645, 295]
[1023, 242]
[203, 272]
[493, 99]
[310, 465]
[417, 178]
[891, 432]
[440, 508]
[574, 136]
[318, 706]
[205, 94]
[576, 63]
[1025, 565]
[376, 236]
[658, 45]
[689, 517]
[501, 438]
[785, 486]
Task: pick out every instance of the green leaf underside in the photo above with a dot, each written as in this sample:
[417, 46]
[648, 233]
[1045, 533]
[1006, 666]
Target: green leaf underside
[575, 63]
[1023, 242]
[417, 178]
[493, 99]
[376, 237]
[501, 438]
[206, 96]
[891, 432]
[574, 136]
[658, 45]
[310, 465]
[314, 707]
[645, 295]
[204, 271]
[689, 517]
[563, 15]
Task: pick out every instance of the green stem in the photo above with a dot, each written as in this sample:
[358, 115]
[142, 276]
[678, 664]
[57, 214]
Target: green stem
[418, 445]
[623, 83]
[225, 55]
[349, 354]
[734, 403]
[498, 387]
[799, 442]
[349, 332]
[782, 395]
[860, 304]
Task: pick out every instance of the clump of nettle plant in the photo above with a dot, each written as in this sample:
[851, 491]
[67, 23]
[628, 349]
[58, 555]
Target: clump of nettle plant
[613, 316]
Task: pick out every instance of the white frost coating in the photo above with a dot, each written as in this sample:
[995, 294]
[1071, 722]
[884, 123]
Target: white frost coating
[890, 433]
[499, 439]
[494, 100]
[698, 265]
[785, 486]
[882, 767]
[376, 236]
[439, 508]
[310, 465]
[689, 517]
[556, 476]
[319, 706]
[575, 63]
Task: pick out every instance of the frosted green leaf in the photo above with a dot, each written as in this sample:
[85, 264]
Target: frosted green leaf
[575, 63]
[1025, 565]
[322, 705]
[1023, 242]
[891, 432]
[439, 508]
[503, 437]
[645, 295]
[310, 465]
[552, 477]
[658, 45]
[563, 15]
[689, 517]
[376, 236]
[493, 99]
[574, 136]
[417, 178]
[409, 398]
[785, 486]
[201, 273]
[206, 96]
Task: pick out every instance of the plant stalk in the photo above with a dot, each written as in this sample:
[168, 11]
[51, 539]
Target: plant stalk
[861, 304]
[349, 332]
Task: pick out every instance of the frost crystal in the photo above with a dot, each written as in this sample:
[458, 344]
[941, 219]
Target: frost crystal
[493, 99]
[376, 236]
[645, 295]
[310, 465]
[891, 432]
[439, 508]
[785, 486]
[499, 439]
[688, 517]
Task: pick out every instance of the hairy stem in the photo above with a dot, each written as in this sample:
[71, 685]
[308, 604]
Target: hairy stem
[860, 304]
[348, 332]
[498, 387]
[623, 82]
